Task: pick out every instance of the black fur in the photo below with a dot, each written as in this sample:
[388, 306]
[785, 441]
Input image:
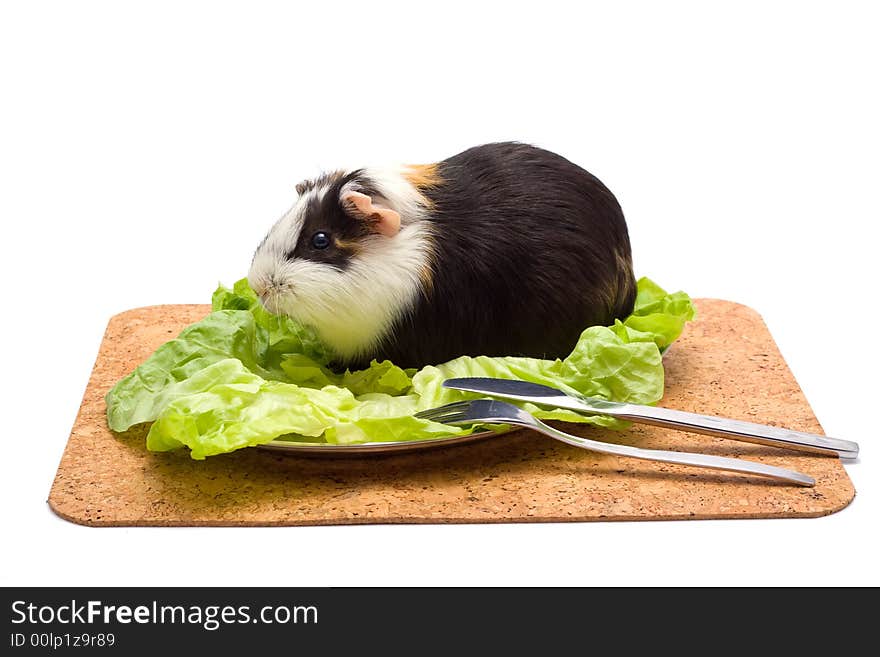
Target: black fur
[531, 250]
[326, 215]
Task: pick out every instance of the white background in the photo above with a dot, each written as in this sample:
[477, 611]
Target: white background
[145, 149]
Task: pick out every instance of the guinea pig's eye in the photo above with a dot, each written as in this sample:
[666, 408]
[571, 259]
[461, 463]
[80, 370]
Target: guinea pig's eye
[320, 240]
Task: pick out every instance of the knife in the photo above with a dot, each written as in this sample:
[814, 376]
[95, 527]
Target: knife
[750, 432]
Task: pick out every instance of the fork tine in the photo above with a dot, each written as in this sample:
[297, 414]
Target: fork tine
[453, 419]
[440, 417]
[454, 406]
[453, 411]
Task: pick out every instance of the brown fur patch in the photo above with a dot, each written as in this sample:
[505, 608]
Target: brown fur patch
[423, 176]
[346, 245]
[426, 276]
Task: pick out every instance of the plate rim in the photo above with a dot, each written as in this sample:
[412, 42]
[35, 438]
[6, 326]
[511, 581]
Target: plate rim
[379, 447]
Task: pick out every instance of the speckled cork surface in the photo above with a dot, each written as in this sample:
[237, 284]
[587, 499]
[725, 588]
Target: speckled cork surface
[725, 363]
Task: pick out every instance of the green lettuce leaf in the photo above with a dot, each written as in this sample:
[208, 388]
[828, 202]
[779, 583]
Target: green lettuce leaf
[658, 316]
[244, 377]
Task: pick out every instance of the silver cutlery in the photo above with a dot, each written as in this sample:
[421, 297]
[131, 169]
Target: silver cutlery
[664, 417]
[491, 411]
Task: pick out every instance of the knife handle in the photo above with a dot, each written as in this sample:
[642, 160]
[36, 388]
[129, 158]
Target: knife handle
[737, 429]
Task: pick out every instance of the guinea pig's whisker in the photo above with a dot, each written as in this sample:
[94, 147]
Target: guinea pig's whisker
[272, 301]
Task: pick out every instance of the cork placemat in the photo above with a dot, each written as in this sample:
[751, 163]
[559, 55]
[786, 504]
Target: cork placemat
[726, 363]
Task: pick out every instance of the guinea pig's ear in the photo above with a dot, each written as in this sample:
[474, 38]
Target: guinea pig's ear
[384, 221]
[302, 187]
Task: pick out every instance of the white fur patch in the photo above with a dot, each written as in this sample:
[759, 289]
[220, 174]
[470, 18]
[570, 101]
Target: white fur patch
[352, 309]
[280, 240]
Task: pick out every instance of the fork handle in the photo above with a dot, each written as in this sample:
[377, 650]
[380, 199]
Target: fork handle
[681, 458]
[738, 430]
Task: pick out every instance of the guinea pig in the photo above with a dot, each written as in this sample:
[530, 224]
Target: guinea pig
[502, 250]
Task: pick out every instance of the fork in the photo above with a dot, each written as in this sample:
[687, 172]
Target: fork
[492, 411]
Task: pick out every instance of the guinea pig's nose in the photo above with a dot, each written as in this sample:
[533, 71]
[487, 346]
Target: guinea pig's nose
[259, 286]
